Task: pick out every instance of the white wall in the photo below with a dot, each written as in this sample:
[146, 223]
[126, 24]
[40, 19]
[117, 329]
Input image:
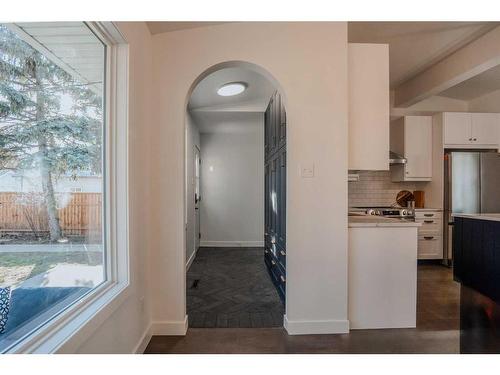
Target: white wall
[232, 187]
[309, 63]
[125, 329]
[192, 140]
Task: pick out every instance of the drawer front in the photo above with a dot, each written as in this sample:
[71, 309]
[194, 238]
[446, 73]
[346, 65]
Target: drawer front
[428, 215]
[430, 225]
[430, 247]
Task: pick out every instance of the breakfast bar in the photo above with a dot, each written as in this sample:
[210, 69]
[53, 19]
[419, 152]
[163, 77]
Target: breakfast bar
[476, 265]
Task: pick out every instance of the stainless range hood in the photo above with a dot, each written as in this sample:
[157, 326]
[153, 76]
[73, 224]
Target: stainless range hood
[395, 159]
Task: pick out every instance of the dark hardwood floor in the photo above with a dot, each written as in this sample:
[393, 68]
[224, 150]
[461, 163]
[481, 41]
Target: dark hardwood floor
[230, 288]
[437, 330]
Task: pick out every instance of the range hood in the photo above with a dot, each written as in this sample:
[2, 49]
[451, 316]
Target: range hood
[395, 159]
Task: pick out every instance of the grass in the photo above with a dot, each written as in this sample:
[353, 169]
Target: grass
[43, 261]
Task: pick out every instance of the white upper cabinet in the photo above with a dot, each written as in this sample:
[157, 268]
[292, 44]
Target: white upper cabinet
[411, 136]
[471, 130]
[456, 128]
[485, 128]
[368, 106]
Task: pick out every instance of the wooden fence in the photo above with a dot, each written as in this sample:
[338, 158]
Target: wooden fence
[79, 213]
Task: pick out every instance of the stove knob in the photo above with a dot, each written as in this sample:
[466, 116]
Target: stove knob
[404, 213]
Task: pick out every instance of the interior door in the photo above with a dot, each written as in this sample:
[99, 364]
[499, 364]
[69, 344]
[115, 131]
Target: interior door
[197, 197]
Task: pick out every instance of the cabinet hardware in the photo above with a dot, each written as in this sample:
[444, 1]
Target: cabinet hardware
[273, 262]
[428, 215]
[428, 221]
[282, 279]
[282, 252]
[266, 252]
[273, 241]
[429, 237]
[475, 139]
[470, 139]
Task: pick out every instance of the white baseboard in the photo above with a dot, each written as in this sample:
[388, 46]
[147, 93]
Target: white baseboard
[170, 328]
[143, 342]
[191, 259]
[315, 327]
[232, 244]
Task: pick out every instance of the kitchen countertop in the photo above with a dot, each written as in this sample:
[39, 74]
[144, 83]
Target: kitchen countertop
[491, 217]
[428, 209]
[358, 221]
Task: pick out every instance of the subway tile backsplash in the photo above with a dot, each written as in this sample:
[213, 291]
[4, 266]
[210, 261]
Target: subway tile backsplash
[375, 188]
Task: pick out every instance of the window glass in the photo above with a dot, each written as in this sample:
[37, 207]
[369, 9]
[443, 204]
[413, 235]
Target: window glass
[51, 172]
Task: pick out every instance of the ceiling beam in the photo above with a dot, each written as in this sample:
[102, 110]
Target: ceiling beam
[474, 58]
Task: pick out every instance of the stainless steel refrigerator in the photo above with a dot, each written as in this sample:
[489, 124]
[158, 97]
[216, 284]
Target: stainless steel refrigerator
[472, 185]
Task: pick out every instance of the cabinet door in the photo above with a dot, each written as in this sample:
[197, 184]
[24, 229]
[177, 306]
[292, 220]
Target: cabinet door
[267, 131]
[418, 147]
[267, 205]
[485, 128]
[457, 128]
[282, 123]
[368, 69]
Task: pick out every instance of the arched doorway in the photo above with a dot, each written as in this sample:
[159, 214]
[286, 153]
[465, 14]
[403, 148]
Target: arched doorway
[235, 198]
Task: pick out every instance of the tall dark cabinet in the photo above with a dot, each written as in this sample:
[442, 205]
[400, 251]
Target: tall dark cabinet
[275, 192]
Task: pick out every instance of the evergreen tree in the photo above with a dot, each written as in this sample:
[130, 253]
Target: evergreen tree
[34, 130]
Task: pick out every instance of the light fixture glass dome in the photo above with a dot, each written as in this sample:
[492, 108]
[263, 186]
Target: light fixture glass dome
[232, 88]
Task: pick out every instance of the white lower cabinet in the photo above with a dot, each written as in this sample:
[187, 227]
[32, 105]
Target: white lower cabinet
[430, 234]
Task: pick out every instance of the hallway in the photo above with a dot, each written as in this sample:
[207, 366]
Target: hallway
[230, 288]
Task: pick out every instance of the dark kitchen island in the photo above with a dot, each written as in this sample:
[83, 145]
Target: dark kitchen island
[476, 266]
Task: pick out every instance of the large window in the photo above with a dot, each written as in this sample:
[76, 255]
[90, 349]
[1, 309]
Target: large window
[52, 169]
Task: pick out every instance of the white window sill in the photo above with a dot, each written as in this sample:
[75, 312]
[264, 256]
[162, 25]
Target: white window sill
[65, 333]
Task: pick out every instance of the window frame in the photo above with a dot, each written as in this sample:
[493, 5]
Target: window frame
[72, 326]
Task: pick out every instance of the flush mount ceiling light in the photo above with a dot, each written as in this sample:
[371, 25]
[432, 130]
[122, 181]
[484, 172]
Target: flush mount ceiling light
[232, 88]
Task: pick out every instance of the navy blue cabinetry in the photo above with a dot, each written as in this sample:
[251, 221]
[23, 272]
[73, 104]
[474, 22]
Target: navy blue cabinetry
[275, 192]
[476, 265]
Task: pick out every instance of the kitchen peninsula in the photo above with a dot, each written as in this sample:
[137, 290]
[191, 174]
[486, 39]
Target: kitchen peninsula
[382, 272]
[476, 265]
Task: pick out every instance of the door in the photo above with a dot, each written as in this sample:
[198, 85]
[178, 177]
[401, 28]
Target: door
[485, 128]
[490, 182]
[197, 198]
[457, 128]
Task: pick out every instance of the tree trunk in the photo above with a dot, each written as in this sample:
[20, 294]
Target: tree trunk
[49, 196]
[45, 172]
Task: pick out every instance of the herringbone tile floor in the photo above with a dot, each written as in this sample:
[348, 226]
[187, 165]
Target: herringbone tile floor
[230, 288]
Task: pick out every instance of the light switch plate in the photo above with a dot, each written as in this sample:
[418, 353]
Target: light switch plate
[307, 170]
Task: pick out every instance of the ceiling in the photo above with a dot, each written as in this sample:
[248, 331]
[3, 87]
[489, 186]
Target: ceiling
[477, 86]
[71, 45]
[415, 46]
[215, 113]
[163, 27]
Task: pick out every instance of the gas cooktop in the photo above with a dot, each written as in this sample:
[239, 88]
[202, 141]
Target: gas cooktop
[398, 212]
